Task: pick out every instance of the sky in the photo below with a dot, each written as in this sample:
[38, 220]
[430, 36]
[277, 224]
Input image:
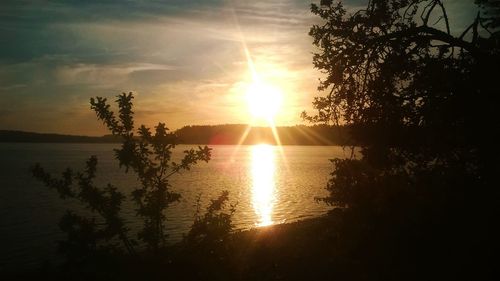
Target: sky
[185, 61]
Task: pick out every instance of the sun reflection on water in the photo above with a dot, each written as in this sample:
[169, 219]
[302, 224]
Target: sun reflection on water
[263, 182]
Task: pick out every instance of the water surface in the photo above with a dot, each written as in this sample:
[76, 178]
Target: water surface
[269, 184]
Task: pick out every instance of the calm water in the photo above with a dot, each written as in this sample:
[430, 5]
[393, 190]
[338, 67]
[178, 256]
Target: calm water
[269, 184]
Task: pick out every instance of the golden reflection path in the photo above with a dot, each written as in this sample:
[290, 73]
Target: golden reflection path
[263, 182]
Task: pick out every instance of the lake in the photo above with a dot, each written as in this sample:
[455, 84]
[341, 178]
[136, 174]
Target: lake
[269, 184]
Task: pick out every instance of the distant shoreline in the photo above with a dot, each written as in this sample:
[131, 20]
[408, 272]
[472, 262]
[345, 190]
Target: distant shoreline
[194, 144]
[318, 135]
[8, 136]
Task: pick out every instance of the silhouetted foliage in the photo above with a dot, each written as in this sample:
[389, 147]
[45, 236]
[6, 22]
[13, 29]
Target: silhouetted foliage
[209, 245]
[491, 18]
[418, 99]
[92, 237]
[88, 236]
[214, 226]
[149, 156]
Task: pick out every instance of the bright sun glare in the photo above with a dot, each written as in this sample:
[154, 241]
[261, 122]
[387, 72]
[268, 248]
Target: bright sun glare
[263, 172]
[264, 100]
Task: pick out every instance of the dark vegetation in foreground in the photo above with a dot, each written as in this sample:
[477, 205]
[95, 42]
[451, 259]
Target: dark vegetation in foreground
[424, 204]
[324, 248]
[413, 207]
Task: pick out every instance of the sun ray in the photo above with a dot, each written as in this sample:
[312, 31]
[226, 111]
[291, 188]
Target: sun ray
[260, 86]
[313, 136]
[279, 145]
[240, 142]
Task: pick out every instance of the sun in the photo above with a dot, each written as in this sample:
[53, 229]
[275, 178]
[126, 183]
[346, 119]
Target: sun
[263, 100]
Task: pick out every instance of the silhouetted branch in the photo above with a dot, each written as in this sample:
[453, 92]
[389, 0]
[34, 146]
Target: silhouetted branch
[414, 34]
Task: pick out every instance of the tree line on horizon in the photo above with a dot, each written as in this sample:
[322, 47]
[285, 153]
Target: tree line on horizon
[227, 134]
[231, 134]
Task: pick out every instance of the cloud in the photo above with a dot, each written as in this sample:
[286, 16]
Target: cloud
[185, 59]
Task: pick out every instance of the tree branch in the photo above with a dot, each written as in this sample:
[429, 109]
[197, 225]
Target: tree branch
[429, 9]
[434, 34]
[445, 16]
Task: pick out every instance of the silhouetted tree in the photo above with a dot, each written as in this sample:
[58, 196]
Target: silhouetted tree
[418, 98]
[214, 226]
[209, 245]
[88, 236]
[149, 156]
[491, 17]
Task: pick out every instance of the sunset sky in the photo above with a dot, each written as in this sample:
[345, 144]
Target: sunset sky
[186, 61]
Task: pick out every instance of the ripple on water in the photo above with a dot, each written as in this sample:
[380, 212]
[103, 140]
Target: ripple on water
[269, 185]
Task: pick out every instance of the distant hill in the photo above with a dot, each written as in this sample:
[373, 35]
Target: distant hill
[20, 136]
[209, 134]
[235, 134]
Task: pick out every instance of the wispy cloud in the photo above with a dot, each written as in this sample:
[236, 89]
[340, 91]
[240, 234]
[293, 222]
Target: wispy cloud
[184, 59]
